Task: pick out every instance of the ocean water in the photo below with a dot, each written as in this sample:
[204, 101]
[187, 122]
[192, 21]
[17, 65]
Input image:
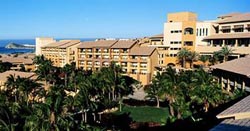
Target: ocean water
[4, 42]
[4, 50]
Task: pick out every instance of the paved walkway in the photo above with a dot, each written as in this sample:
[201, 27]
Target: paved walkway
[139, 94]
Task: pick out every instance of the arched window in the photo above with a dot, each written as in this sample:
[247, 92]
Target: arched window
[188, 30]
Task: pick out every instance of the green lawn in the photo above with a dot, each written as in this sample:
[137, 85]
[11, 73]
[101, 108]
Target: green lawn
[146, 113]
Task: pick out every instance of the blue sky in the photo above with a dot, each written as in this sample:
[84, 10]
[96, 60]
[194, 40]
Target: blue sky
[21, 19]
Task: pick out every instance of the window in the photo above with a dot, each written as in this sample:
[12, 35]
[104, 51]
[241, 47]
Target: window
[188, 43]
[206, 31]
[248, 27]
[173, 55]
[175, 31]
[238, 28]
[188, 30]
[175, 42]
[197, 32]
[200, 32]
[203, 31]
[226, 29]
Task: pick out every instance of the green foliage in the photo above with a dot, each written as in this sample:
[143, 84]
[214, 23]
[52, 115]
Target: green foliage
[25, 104]
[188, 92]
[145, 113]
[4, 66]
[182, 56]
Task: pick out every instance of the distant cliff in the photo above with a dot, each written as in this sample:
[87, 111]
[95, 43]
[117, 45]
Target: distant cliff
[19, 46]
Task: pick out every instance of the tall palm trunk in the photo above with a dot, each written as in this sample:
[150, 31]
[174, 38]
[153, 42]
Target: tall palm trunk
[191, 64]
[158, 102]
[113, 93]
[171, 110]
[52, 119]
[184, 63]
[178, 114]
[65, 80]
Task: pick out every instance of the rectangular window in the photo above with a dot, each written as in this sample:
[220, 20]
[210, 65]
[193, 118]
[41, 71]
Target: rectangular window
[188, 43]
[206, 31]
[238, 28]
[226, 29]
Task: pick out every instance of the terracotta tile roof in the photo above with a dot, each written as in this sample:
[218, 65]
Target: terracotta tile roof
[70, 43]
[100, 43]
[56, 44]
[142, 51]
[228, 36]
[239, 66]
[229, 14]
[4, 75]
[62, 43]
[235, 18]
[233, 125]
[237, 117]
[121, 44]
[17, 60]
[238, 110]
[157, 36]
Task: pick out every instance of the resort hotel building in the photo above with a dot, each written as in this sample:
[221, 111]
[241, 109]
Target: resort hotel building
[136, 61]
[183, 30]
[141, 58]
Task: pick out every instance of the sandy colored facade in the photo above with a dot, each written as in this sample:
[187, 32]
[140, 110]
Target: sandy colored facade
[232, 30]
[41, 42]
[183, 30]
[156, 41]
[136, 61]
[61, 52]
[179, 32]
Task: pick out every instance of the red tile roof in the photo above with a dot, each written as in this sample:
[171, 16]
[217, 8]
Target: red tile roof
[124, 44]
[142, 51]
[238, 66]
[235, 18]
[228, 36]
[100, 43]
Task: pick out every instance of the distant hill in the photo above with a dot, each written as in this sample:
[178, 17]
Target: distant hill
[18, 46]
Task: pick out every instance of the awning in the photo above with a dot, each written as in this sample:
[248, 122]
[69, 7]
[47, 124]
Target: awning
[228, 36]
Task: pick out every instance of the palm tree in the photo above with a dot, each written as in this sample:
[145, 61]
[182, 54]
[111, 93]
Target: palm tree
[45, 71]
[205, 91]
[11, 85]
[155, 90]
[182, 56]
[203, 59]
[225, 52]
[39, 59]
[171, 89]
[192, 57]
[67, 69]
[215, 58]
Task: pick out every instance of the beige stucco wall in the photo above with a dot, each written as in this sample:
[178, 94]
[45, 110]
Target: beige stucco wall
[210, 31]
[189, 37]
[182, 16]
[41, 42]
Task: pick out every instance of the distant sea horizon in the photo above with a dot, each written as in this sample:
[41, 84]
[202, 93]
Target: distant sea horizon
[4, 42]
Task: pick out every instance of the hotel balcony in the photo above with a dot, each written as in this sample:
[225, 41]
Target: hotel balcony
[211, 49]
[143, 65]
